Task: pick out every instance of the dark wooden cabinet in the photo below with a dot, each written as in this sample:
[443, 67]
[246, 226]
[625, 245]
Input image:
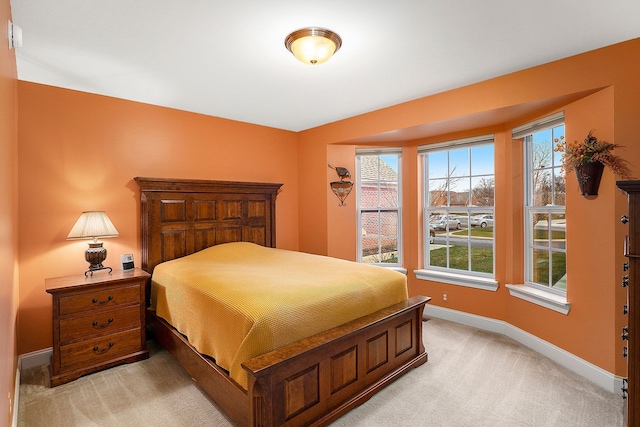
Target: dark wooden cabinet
[631, 281]
[98, 322]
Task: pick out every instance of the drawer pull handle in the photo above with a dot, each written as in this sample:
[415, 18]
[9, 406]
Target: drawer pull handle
[98, 350]
[96, 302]
[102, 326]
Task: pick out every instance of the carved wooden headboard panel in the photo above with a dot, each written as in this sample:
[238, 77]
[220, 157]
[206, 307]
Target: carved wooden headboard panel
[182, 216]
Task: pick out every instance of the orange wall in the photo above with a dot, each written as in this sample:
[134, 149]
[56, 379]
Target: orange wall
[8, 219]
[592, 328]
[80, 151]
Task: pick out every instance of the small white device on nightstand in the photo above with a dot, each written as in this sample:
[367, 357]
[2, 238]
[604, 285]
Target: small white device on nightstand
[127, 261]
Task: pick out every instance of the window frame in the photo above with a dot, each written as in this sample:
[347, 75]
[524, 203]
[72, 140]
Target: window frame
[379, 209]
[468, 277]
[550, 123]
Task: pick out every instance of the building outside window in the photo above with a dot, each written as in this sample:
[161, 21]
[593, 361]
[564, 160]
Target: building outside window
[379, 202]
[545, 219]
[459, 194]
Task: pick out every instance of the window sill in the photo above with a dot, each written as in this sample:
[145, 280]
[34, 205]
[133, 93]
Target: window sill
[458, 279]
[398, 269]
[537, 296]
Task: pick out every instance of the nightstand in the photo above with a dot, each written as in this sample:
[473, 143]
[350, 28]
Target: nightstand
[98, 322]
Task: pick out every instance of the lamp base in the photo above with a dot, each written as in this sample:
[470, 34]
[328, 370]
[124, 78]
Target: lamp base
[94, 256]
[91, 269]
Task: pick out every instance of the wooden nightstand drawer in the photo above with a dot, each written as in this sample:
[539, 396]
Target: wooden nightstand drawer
[100, 299]
[96, 351]
[97, 324]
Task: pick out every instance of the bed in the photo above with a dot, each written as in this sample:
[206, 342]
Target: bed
[310, 381]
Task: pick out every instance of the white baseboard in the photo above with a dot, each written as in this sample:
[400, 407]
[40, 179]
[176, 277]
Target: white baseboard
[16, 398]
[593, 373]
[35, 358]
[27, 361]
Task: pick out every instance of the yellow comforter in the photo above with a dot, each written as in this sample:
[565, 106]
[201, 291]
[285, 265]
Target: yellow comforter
[239, 300]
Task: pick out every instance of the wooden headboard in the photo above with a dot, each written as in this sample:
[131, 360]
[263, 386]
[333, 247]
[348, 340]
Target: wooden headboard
[182, 216]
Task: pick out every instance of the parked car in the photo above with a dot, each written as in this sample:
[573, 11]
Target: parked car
[444, 222]
[482, 221]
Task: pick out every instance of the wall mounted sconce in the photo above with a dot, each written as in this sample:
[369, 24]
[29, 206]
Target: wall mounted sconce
[91, 225]
[341, 188]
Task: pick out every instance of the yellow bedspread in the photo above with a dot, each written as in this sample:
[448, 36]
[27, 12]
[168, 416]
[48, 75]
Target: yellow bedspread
[238, 300]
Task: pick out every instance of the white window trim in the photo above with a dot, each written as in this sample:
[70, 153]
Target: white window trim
[540, 297]
[531, 288]
[467, 280]
[379, 152]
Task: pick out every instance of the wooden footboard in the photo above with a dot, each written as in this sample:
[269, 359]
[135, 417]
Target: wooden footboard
[315, 380]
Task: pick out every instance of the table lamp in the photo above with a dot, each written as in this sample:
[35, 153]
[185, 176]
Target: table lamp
[91, 225]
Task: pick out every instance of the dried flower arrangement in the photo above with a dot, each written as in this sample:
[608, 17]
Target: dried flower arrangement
[592, 150]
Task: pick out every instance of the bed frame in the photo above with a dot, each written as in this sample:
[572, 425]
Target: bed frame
[309, 382]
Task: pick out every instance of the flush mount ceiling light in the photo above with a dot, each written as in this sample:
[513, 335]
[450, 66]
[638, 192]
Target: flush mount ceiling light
[313, 45]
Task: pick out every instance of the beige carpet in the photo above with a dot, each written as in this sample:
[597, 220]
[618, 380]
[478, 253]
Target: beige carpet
[473, 378]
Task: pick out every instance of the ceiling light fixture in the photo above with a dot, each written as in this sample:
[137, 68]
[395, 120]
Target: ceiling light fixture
[313, 45]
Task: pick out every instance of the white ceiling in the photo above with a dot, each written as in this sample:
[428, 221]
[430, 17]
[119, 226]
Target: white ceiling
[227, 58]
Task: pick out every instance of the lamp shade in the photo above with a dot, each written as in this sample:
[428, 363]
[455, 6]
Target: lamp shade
[93, 224]
[313, 45]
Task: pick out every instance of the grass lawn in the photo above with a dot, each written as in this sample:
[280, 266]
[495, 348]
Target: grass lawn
[544, 234]
[559, 269]
[481, 258]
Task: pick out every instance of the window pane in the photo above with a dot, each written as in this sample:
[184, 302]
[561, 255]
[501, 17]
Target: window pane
[482, 160]
[389, 250]
[438, 164]
[389, 224]
[542, 187]
[369, 194]
[459, 163]
[482, 223]
[541, 150]
[444, 222]
[369, 249]
[438, 256]
[458, 255]
[558, 230]
[459, 194]
[481, 243]
[540, 231]
[388, 194]
[369, 224]
[481, 257]
[559, 271]
[540, 266]
[483, 191]
[438, 192]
